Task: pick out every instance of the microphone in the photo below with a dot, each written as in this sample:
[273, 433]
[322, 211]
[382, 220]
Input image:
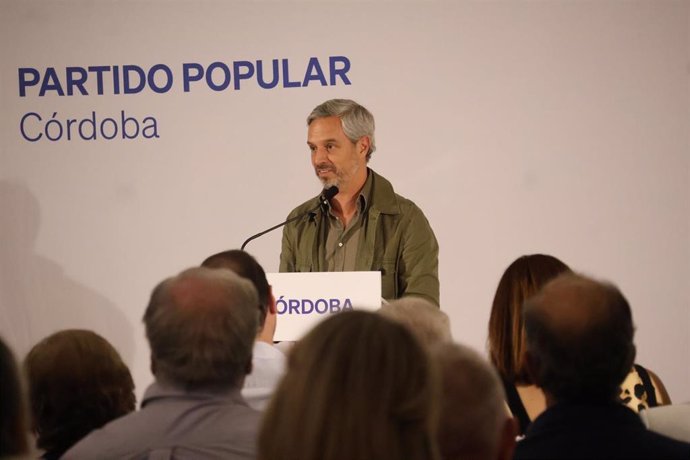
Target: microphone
[327, 194]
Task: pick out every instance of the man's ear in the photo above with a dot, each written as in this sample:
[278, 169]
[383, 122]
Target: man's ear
[271, 301]
[363, 145]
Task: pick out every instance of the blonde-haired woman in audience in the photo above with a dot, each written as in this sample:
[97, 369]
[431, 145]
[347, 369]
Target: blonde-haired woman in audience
[358, 386]
[523, 278]
[77, 383]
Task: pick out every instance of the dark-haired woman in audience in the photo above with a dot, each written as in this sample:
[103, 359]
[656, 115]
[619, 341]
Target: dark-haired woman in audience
[14, 430]
[358, 386]
[77, 382]
[521, 280]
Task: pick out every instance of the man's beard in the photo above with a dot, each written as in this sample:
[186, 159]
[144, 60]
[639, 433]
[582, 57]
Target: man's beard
[328, 182]
[340, 176]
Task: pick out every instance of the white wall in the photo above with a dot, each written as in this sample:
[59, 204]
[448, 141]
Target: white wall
[519, 127]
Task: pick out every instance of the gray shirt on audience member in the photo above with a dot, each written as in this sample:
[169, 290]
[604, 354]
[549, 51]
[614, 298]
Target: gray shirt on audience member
[175, 424]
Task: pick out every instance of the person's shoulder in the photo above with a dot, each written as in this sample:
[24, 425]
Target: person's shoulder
[266, 350]
[411, 212]
[236, 425]
[223, 418]
[590, 431]
[407, 205]
[388, 200]
[110, 441]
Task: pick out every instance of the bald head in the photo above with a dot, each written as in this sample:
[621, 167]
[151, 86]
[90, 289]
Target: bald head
[579, 335]
[201, 326]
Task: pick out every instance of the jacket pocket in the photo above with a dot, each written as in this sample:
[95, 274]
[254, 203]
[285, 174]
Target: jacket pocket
[389, 279]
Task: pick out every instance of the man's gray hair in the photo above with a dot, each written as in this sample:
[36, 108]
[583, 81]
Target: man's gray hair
[473, 409]
[201, 326]
[426, 321]
[357, 121]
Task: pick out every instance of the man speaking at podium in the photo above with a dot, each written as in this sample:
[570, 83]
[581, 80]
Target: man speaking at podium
[366, 226]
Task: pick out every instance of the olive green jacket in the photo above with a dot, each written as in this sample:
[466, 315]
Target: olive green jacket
[398, 241]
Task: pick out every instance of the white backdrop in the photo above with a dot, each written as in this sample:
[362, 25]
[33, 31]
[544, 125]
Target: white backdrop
[518, 127]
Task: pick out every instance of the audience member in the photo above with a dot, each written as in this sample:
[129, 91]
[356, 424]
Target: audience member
[426, 321]
[643, 389]
[358, 386]
[200, 326]
[14, 429]
[77, 383]
[521, 280]
[579, 348]
[268, 362]
[475, 423]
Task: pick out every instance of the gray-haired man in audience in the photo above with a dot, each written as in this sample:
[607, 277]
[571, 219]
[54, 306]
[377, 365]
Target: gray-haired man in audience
[424, 319]
[200, 326]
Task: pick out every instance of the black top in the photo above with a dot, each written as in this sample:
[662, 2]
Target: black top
[53, 454]
[516, 406]
[643, 392]
[568, 430]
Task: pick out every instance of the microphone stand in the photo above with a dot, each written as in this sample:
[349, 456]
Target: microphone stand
[327, 195]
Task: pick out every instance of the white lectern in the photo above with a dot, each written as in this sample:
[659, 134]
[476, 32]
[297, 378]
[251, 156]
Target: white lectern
[304, 299]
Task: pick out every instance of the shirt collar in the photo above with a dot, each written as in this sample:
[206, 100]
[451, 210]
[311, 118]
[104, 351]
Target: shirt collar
[364, 195]
[161, 391]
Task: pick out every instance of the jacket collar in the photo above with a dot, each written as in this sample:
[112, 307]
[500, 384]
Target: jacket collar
[383, 198]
